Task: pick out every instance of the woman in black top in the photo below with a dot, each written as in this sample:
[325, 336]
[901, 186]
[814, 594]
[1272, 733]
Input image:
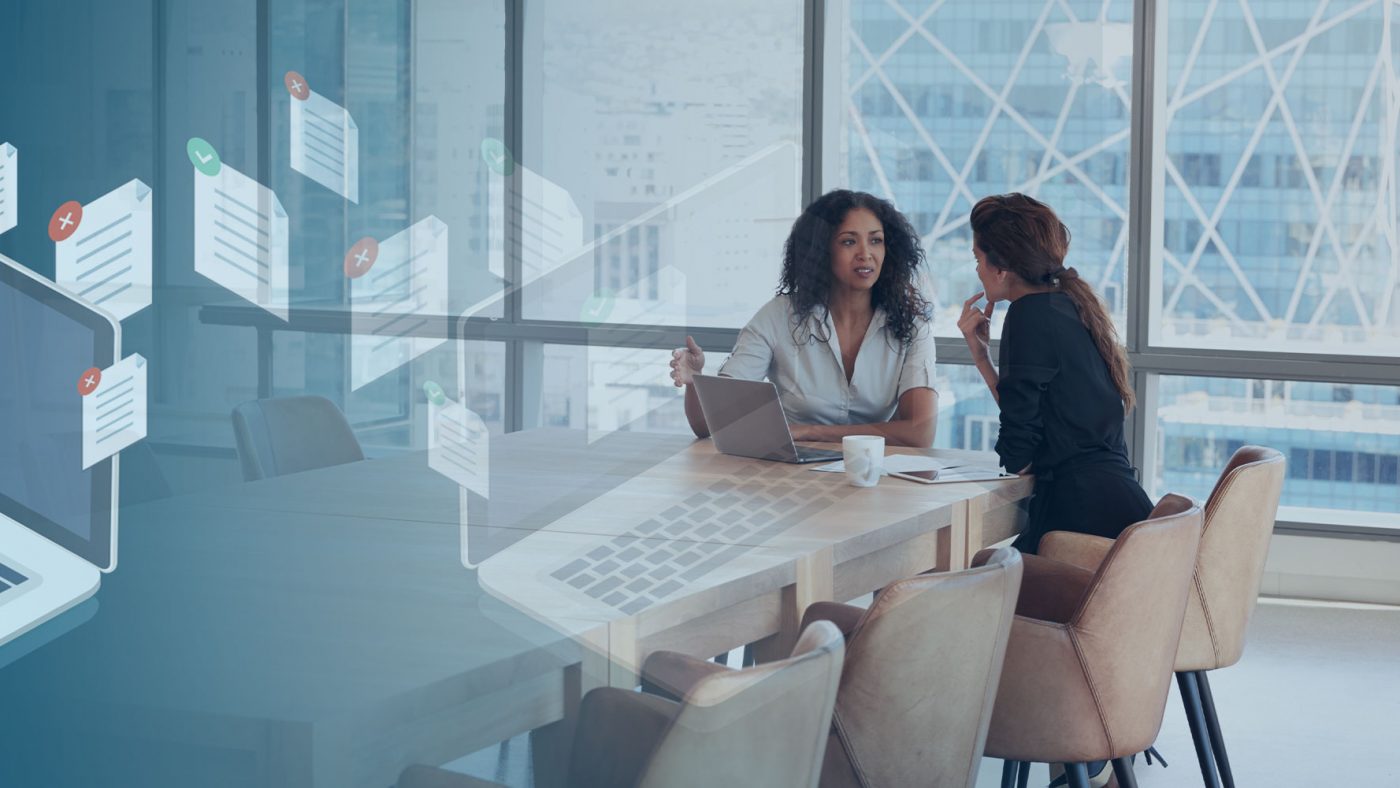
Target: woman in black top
[1062, 384]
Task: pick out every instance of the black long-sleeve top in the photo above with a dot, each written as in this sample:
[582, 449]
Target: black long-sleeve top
[1058, 402]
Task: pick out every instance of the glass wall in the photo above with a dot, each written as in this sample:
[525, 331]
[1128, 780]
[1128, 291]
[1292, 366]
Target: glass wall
[1279, 220]
[661, 158]
[609, 176]
[942, 103]
[1342, 441]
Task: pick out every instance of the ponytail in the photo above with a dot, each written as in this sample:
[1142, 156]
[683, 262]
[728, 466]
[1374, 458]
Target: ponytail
[1023, 235]
[1095, 318]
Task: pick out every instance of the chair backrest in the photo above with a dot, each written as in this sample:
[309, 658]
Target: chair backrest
[1128, 625]
[291, 434]
[1239, 520]
[921, 675]
[765, 725]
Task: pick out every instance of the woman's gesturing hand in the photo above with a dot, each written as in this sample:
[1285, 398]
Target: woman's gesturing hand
[976, 326]
[686, 362]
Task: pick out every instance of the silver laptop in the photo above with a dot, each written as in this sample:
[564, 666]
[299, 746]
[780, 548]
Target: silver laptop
[58, 522]
[746, 419]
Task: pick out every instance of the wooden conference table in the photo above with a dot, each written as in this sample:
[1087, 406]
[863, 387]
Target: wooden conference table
[330, 627]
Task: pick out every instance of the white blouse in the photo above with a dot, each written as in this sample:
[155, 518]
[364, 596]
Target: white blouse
[809, 373]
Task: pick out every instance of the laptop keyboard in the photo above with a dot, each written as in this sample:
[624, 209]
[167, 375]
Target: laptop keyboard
[628, 574]
[9, 578]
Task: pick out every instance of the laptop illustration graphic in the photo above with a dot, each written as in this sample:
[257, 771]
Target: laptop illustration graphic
[58, 521]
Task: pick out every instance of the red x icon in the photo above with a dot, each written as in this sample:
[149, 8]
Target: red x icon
[87, 382]
[65, 220]
[360, 257]
[296, 85]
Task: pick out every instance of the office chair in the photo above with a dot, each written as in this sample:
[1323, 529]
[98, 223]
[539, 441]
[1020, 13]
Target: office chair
[1090, 658]
[1239, 519]
[922, 667]
[765, 725]
[290, 434]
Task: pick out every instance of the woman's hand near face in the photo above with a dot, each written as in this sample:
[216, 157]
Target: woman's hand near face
[686, 362]
[976, 327]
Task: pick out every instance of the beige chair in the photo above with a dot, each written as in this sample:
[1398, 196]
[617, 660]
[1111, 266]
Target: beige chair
[922, 666]
[1090, 658]
[291, 434]
[1239, 519]
[765, 725]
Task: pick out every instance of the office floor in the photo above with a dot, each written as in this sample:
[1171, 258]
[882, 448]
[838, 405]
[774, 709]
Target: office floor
[1314, 702]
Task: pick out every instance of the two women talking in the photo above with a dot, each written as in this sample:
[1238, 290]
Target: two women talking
[847, 342]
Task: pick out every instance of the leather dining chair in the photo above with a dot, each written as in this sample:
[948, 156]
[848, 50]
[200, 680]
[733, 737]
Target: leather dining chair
[290, 434]
[1239, 519]
[764, 725]
[1090, 658]
[922, 666]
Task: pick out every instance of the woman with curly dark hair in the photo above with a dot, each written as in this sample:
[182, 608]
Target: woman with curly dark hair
[846, 340]
[1062, 379]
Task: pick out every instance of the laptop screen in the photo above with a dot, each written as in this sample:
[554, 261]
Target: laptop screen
[46, 340]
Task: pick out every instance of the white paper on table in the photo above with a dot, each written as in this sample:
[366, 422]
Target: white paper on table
[404, 289]
[947, 472]
[107, 259]
[325, 145]
[459, 446]
[241, 238]
[971, 473]
[9, 187]
[114, 413]
[893, 462]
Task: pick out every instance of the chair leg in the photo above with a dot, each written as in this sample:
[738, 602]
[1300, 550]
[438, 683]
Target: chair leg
[1077, 774]
[1217, 740]
[1123, 770]
[1191, 699]
[1023, 774]
[1008, 773]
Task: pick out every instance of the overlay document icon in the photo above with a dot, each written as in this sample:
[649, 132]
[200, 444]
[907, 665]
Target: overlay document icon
[114, 408]
[102, 250]
[325, 142]
[240, 232]
[9, 186]
[397, 287]
[458, 442]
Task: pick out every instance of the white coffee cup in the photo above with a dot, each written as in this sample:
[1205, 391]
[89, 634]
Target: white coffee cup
[864, 457]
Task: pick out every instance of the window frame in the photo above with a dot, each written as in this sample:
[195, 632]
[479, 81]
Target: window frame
[523, 338]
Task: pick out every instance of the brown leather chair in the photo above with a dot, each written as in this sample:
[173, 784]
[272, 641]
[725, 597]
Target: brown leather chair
[765, 725]
[1239, 519]
[1090, 658]
[922, 666]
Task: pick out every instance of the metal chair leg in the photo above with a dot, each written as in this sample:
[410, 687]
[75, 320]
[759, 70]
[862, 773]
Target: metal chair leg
[1217, 740]
[1123, 770]
[1191, 699]
[1077, 775]
[1023, 774]
[1008, 773]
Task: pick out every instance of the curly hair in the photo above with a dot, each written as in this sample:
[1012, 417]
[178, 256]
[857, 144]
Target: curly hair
[806, 278]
